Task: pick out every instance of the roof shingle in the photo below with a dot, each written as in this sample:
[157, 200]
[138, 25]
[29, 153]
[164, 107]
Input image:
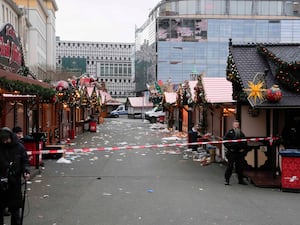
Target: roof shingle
[249, 62]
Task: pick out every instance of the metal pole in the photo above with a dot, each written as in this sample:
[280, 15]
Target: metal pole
[23, 202]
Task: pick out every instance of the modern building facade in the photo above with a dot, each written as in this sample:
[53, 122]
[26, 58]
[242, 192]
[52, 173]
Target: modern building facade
[35, 24]
[110, 63]
[10, 13]
[182, 38]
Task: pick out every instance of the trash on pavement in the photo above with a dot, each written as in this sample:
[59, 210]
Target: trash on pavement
[63, 160]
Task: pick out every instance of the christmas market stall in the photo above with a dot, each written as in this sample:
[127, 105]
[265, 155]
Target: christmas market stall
[218, 109]
[137, 106]
[169, 104]
[266, 85]
[24, 100]
[108, 104]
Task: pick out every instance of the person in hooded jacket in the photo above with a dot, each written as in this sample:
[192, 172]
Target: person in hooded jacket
[14, 165]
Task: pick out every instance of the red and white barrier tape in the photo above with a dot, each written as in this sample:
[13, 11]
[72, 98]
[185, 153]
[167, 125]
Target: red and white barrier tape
[85, 150]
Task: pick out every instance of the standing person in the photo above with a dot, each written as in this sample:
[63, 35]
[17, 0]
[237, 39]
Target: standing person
[193, 136]
[19, 134]
[13, 165]
[235, 153]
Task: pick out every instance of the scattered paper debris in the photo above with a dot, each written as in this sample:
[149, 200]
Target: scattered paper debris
[63, 160]
[106, 194]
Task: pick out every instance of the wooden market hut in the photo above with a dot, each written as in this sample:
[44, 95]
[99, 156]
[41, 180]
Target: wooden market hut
[169, 105]
[23, 104]
[253, 70]
[137, 106]
[108, 103]
[219, 108]
[24, 100]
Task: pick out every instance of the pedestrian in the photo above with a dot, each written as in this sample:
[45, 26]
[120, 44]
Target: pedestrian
[14, 165]
[19, 134]
[193, 136]
[235, 153]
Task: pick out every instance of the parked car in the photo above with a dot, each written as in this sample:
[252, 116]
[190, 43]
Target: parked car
[121, 110]
[154, 114]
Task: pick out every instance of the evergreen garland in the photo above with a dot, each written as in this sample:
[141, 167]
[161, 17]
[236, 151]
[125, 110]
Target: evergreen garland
[44, 94]
[287, 74]
[233, 76]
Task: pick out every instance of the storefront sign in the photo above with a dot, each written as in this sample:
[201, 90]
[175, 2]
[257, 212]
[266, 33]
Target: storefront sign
[10, 49]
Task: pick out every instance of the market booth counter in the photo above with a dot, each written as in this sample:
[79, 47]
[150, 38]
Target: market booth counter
[290, 170]
[258, 166]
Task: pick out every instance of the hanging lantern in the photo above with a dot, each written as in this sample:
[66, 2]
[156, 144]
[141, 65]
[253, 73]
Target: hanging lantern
[274, 94]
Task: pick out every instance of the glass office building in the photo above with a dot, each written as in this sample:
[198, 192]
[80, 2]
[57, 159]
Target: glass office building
[181, 39]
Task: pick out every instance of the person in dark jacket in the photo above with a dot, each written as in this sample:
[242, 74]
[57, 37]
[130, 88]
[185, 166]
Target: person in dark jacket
[235, 153]
[14, 165]
[193, 136]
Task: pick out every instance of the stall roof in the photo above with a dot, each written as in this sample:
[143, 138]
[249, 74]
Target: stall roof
[12, 76]
[106, 99]
[139, 102]
[217, 90]
[170, 97]
[90, 90]
[249, 61]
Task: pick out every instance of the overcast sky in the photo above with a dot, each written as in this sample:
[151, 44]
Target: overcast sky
[101, 20]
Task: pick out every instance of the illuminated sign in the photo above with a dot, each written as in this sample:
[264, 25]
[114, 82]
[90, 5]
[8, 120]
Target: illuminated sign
[10, 49]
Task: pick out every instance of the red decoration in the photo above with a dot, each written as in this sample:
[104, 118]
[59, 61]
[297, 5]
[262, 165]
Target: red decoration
[85, 81]
[274, 94]
[53, 100]
[73, 82]
[62, 85]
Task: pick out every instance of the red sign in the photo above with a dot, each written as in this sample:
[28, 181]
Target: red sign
[10, 49]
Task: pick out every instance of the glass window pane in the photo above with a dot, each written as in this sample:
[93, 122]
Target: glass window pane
[191, 6]
[182, 7]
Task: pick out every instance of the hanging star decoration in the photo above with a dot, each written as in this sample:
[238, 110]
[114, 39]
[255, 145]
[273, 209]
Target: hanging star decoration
[256, 91]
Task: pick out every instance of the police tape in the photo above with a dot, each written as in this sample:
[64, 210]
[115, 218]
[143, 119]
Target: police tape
[86, 150]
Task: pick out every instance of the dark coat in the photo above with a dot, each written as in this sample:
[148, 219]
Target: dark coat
[193, 136]
[234, 146]
[13, 164]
